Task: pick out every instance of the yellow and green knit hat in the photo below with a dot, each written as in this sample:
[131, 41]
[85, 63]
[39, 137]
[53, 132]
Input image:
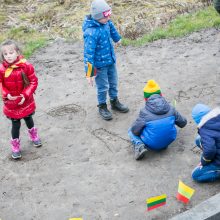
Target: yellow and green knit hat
[151, 88]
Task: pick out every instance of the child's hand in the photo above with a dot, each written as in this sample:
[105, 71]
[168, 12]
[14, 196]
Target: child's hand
[22, 100]
[10, 97]
[118, 43]
[90, 80]
[199, 165]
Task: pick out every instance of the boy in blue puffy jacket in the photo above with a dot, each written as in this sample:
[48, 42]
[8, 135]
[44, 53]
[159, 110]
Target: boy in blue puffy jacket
[99, 56]
[155, 126]
[208, 140]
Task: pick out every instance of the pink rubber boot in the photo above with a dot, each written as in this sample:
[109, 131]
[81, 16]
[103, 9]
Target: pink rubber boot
[15, 147]
[34, 137]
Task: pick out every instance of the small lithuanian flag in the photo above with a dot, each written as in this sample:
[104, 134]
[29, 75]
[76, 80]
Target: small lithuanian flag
[91, 71]
[155, 202]
[184, 192]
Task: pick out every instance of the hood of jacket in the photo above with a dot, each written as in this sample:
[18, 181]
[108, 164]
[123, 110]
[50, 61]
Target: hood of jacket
[211, 120]
[89, 22]
[157, 105]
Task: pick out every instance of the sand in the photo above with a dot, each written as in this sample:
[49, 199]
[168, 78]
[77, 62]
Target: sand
[85, 167]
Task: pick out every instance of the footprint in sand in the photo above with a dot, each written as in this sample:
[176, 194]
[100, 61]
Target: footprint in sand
[113, 142]
[69, 109]
[195, 92]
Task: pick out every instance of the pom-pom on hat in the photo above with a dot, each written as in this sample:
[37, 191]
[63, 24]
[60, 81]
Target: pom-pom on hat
[100, 9]
[199, 111]
[151, 88]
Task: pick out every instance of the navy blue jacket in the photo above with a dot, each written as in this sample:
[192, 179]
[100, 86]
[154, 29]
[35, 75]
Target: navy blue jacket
[209, 130]
[98, 46]
[156, 123]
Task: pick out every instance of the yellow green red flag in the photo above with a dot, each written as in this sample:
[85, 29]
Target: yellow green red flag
[184, 192]
[155, 202]
[91, 71]
[75, 219]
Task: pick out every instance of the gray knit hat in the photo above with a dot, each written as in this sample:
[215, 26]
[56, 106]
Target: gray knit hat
[97, 9]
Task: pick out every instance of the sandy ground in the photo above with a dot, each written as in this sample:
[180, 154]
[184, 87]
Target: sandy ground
[86, 167]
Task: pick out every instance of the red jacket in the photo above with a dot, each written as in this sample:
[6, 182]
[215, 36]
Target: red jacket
[13, 85]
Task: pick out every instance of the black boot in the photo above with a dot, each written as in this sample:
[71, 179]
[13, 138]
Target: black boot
[104, 112]
[116, 105]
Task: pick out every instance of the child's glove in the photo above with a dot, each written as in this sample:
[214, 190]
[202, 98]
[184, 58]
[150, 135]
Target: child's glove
[205, 161]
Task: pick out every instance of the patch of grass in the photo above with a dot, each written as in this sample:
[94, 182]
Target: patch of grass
[181, 26]
[31, 46]
[31, 39]
[70, 33]
[24, 16]
[45, 14]
[2, 17]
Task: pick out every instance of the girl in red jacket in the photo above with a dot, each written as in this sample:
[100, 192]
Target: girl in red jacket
[19, 82]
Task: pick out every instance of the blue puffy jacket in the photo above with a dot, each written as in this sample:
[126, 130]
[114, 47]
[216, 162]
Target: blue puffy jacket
[98, 46]
[209, 130]
[156, 123]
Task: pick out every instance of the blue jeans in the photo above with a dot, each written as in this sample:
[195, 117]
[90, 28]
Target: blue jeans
[106, 81]
[208, 173]
[136, 140]
[198, 142]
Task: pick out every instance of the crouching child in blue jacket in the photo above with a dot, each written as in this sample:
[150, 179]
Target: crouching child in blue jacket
[208, 140]
[155, 126]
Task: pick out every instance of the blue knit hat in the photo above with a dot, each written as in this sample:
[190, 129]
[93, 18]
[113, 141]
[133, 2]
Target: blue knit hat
[199, 111]
[97, 9]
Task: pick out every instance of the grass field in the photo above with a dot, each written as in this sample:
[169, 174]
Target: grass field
[34, 23]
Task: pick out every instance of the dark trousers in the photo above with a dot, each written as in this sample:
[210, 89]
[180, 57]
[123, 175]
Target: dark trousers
[208, 173]
[16, 124]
